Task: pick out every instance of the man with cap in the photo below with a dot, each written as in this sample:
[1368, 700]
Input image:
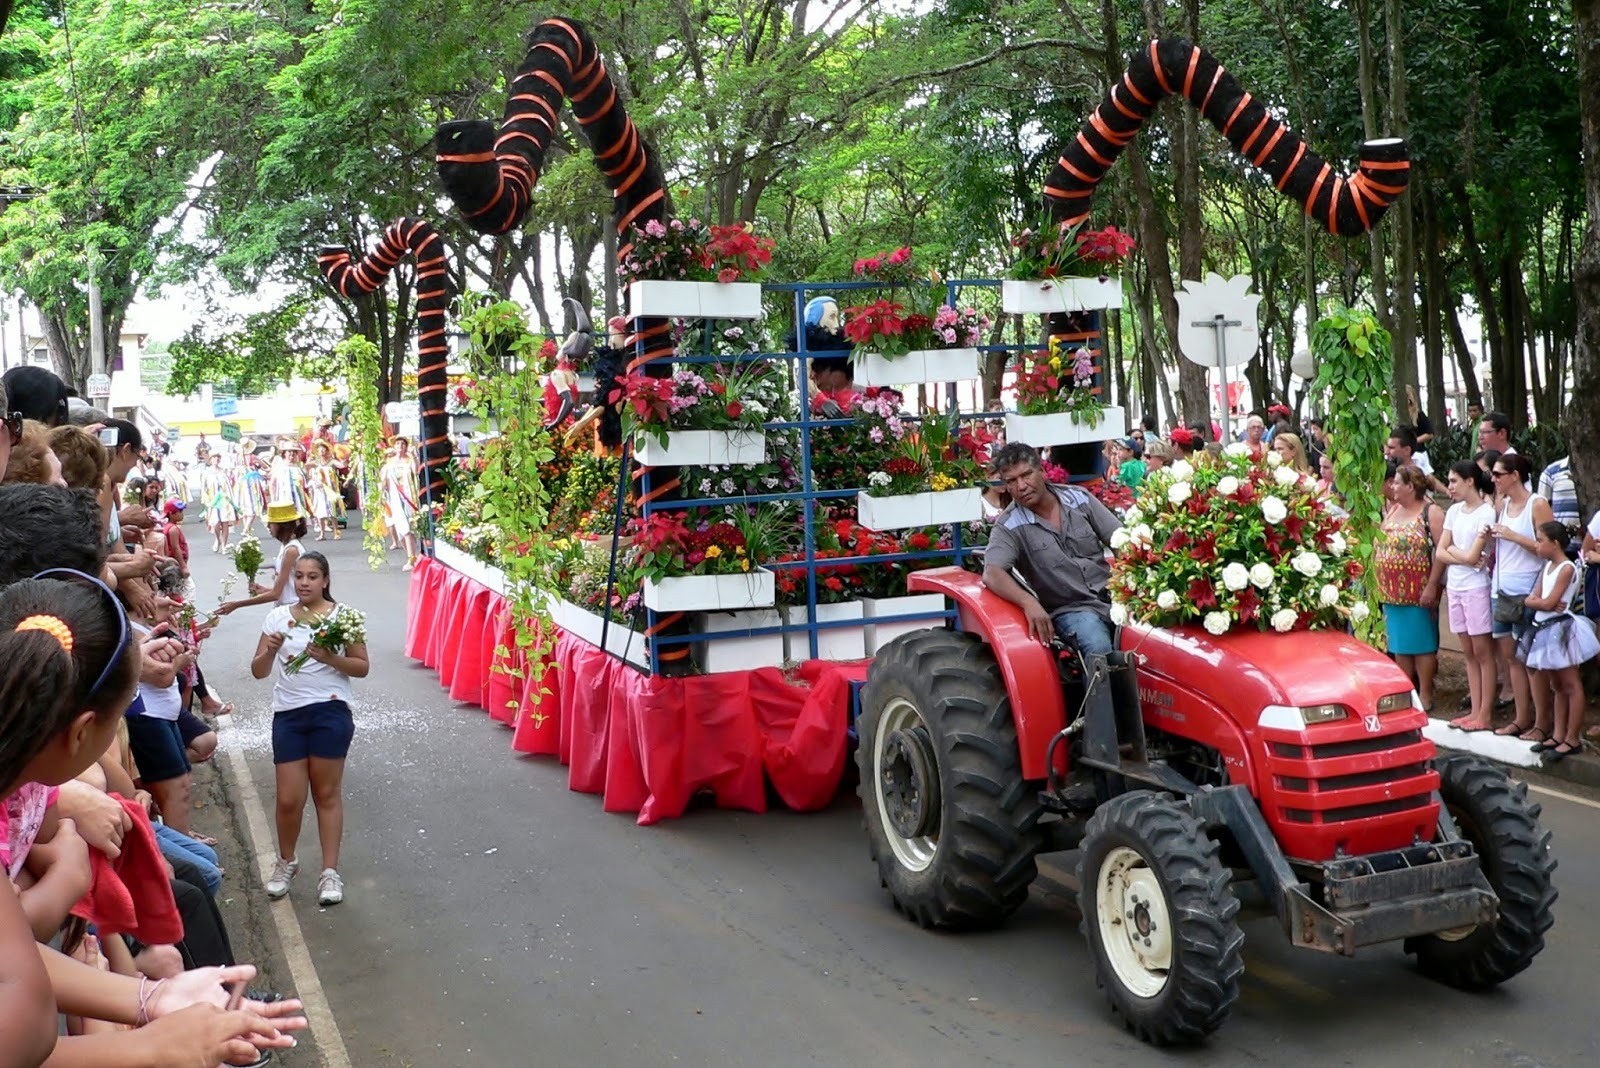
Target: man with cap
[38, 394]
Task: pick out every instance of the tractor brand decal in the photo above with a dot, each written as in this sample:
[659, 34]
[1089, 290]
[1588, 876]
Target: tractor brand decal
[1373, 726]
[1161, 703]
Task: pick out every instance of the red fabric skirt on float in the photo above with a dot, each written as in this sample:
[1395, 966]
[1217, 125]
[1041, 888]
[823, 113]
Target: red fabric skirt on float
[647, 745]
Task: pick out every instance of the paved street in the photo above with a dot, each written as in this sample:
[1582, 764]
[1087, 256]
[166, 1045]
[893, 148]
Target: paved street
[495, 918]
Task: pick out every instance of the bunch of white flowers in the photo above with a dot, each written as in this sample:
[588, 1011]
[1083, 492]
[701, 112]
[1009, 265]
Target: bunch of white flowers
[1227, 485]
[1235, 576]
[1167, 600]
[1179, 492]
[1284, 619]
[1261, 575]
[1308, 564]
[1218, 622]
[1273, 510]
[1286, 476]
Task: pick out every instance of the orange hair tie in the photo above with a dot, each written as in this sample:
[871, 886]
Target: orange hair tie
[51, 626]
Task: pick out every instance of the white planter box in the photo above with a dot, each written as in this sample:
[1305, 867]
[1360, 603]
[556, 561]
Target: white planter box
[619, 639]
[710, 593]
[702, 447]
[1048, 296]
[881, 634]
[835, 643]
[463, 563]
[743, 654]
[918, 366]
[919, 509]
[695, 300]
[1060, 429]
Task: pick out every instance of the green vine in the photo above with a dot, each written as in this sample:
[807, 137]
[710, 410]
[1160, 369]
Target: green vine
[1354, 359]
[360, 356]
[517, 503]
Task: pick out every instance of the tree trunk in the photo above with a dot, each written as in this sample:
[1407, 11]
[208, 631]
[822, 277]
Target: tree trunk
[1482, 284]
[1433, 309]
[1464, 356]
[1582, 424]
[1404, 224]
[1370, 111]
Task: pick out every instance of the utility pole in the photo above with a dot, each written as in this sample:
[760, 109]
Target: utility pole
[97, 333]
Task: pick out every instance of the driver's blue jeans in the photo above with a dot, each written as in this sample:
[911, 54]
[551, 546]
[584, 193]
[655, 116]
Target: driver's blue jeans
[1084, 627]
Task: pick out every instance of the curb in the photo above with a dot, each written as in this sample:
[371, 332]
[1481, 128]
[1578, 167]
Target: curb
[1582, 769]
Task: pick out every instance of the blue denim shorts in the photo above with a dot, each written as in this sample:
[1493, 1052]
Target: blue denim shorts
[323, 730]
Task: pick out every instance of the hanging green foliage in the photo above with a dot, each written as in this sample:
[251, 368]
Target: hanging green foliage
[1354, 358]
[517, 502]
[360, 358]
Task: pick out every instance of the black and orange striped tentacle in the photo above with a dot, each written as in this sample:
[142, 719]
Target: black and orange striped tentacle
[490, 175]
[1345, 204]
[352, 279]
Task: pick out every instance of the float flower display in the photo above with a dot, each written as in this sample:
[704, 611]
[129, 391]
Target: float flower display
[1234, 545]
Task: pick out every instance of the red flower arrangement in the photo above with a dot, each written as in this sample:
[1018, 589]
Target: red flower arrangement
[1050, 249]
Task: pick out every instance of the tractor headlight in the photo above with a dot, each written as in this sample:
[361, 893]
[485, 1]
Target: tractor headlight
[1283, 717]
[1399, 702]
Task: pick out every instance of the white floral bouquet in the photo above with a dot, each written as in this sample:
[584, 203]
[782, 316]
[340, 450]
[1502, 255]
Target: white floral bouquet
[1234, 544]
[246, 556]
[342, 627]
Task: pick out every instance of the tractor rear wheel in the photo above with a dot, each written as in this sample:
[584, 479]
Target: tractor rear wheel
[950, 822]
[1160, 917]
[1495, 815]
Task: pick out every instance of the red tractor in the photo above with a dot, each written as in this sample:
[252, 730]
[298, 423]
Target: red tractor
[1193, 773]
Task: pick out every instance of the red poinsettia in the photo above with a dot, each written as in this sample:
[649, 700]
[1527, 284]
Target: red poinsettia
[882, 318]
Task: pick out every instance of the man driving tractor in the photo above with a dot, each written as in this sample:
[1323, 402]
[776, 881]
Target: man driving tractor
[1056, 537]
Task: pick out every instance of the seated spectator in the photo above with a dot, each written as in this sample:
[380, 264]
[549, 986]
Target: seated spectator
[32, 459]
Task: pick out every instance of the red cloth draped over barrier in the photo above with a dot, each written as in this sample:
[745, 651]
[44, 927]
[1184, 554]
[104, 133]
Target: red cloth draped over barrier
[645, 744]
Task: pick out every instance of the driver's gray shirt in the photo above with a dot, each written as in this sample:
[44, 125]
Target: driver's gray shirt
[1066, 568]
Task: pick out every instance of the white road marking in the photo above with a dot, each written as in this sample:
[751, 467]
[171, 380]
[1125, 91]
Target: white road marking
[307, 984]
[1565, 797]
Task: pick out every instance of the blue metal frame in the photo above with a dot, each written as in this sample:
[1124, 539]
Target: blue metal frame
[807, 495]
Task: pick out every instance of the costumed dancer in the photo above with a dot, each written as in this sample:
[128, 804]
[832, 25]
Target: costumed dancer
[217, 494]
[287, 480]
[398, 480]
[322, 484]
[249, 490]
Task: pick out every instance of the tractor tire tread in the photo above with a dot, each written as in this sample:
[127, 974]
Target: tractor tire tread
[1519, 871]
[989, 836]
[1209, 949]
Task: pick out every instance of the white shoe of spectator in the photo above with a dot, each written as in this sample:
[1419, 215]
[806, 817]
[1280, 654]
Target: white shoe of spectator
[282, 872]
[330, 888]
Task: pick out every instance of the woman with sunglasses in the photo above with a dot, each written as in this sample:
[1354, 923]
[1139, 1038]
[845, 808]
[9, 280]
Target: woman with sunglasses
[1517, 567]
[68, 666]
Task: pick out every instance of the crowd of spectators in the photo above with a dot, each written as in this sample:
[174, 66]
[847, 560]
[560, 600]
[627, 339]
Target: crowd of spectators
[112, 949]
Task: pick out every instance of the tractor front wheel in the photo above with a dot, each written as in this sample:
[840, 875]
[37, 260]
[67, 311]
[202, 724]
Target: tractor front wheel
[1160, 917]
[1495, 815]
[949, 819]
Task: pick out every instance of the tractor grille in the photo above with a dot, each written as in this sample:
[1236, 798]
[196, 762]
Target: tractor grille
[1353, 791]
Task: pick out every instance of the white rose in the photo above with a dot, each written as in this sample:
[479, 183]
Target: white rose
[1286, 476]
[1328, 595]
[1308, 564]
[1142, 534]
[1218, 622]
[1336, 544]
[1179, 492]
[1133, 517]
[1261, 575]
[1167, 600]
[1238, 448]
[1227, 485]
[1236, 576]
[1181, 470]
[1284, 619]
[1359, 612]
[1119, 613]
[1119, 538]
[1274, 510]
[1308, 482]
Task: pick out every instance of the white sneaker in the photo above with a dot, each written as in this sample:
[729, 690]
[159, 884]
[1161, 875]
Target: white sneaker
[282, 872]
[330, 888]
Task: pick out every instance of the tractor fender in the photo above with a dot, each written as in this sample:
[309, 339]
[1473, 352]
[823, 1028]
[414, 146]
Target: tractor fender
[1029, 668]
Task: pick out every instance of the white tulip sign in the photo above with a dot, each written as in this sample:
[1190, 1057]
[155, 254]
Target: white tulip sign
[1218, 327]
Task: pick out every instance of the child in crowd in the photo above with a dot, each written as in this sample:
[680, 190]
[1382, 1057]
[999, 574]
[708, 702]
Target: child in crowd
[1463, 546]
[312, 725]
[1558, 642]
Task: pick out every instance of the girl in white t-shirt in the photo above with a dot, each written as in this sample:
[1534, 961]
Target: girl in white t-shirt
[288, 525]
[1463, 547]
[312, 725]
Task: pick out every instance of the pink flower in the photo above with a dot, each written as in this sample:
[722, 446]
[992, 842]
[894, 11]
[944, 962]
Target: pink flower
[653, 228]
[728, 274]
[876, 434]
